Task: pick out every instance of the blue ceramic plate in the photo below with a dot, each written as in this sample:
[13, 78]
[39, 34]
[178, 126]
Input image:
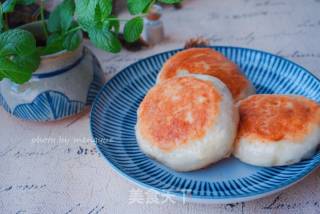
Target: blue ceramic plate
[113, 118]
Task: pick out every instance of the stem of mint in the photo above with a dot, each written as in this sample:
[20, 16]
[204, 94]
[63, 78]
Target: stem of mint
[125, 20]
[43, 23]
[6, 26]
[73, 29]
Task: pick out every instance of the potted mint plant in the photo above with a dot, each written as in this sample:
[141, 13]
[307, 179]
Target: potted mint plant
[45, 71]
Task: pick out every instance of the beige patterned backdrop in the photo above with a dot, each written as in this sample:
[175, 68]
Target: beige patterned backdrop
[63, 173]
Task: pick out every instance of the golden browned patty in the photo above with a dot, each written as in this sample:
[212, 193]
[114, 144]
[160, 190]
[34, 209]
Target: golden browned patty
[177, 111]
[277, 117]
[209, 62]
[277, 130]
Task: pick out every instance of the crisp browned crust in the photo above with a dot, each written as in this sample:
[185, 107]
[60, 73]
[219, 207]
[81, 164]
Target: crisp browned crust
[277, 117]
[178, 111]
[206, 61]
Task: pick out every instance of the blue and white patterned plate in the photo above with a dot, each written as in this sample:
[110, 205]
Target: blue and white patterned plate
[113, 118]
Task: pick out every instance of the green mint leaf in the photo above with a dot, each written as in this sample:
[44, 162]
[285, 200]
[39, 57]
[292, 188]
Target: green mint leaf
[85, 13]
[17, 41]
[170, 1]
[132, 29]
[138, 6]
[54, 20]
[148, 7]
[59, 41]
[19, 69]
[54, 44]
[67, 12]
[72, 41]
[12, 71]
[93, 13]
[105, 9]
[105, 40]
[61, 17]
[18, 55]
[8, 6]
[28, 63]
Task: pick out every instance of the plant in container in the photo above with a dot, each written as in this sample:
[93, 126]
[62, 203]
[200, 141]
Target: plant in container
[45, 71]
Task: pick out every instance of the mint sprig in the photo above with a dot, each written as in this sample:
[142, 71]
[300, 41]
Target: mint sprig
[61, 17]
[132, 29]
[18, 55]
[95, 17]
[65, 34]
[71, 41]
[105, 39]
[103, 10]
[86, 13]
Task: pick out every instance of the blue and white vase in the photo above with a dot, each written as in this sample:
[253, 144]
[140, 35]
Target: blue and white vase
[62, 86]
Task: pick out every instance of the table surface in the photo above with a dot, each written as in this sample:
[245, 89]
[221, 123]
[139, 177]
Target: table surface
[63, 173]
